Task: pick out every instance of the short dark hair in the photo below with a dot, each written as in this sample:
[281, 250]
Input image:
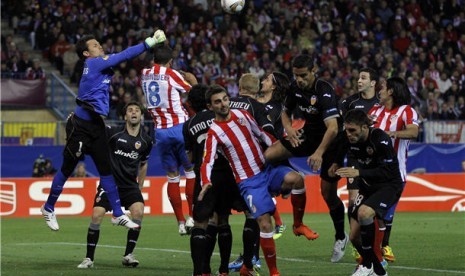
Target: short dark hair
[81, 45]
[357, 117]
[125, 109]
[373, 74]
[196, 97]
[162, 53]
[400, 92]
[303, 61]
[214, 89]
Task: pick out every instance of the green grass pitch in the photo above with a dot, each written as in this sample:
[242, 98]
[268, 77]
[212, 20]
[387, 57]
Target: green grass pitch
[424, 244]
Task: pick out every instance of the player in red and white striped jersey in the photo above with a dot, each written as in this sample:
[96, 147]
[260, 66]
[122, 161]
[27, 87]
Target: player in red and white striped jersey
[399, 120]
[163, 87]
[236, 134]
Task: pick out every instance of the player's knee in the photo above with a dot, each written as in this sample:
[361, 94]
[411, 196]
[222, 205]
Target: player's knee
[137, 213]
[264, 222]
[365, 213]
[97, 215]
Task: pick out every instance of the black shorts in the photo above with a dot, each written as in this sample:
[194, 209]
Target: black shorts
[223, 196]
[86, 137]
[309, 146]
[380, 201]
[127, 197]
[352, 182]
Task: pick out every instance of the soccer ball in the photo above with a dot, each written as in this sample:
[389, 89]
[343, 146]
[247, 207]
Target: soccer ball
[233, 6]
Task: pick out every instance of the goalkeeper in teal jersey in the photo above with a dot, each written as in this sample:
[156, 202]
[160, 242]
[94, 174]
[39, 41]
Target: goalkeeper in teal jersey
[85, 129]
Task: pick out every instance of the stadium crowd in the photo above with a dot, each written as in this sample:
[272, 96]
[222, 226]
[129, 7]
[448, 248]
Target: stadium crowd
[420, 41]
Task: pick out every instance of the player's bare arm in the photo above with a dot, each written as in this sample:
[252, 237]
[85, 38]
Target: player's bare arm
[314, 161]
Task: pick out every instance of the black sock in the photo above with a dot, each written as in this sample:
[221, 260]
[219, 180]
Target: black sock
[212, 231]
[93, 234]
[337, 215]
[133, 236]
[198, 243]
[250, 235]
[367, 231]
[387, 233]
[225, 245]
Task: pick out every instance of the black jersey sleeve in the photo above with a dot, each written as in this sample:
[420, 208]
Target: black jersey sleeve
[328, 100]
[387, 166]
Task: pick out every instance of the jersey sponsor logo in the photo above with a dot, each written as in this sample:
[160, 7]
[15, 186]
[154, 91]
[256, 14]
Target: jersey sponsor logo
[384, 142]
[106, 81]
[138, 144]
[310, 109]
[132, 154]
[122, 140]
[313, 100]
[327, 95]
[359, 106]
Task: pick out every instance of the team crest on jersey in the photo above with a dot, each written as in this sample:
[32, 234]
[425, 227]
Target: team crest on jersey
[241, 121]
[370, 150]
[138, 144]
[313, 100]
[351, 180]
[393, 117]
[97, 200]
[106, 57]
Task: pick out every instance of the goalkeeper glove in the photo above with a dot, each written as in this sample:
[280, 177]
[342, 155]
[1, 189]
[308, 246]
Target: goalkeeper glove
[158, 37]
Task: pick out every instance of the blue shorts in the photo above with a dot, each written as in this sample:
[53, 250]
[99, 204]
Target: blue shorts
[257, 191]
[170, 145]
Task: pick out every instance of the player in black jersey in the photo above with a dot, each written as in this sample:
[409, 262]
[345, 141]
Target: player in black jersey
[272, 94]
[219, 200]
[315, 101]
[130, 148]
[364, 100]
[380, 183]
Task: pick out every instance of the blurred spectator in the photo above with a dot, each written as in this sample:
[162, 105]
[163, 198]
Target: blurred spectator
[57, 51]
[80, 170]
[444, 83]
[43, 167]
[49, 170]
[35, 72]
[24, 62]
[69, 60]
[461, 107]
[38, 167]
